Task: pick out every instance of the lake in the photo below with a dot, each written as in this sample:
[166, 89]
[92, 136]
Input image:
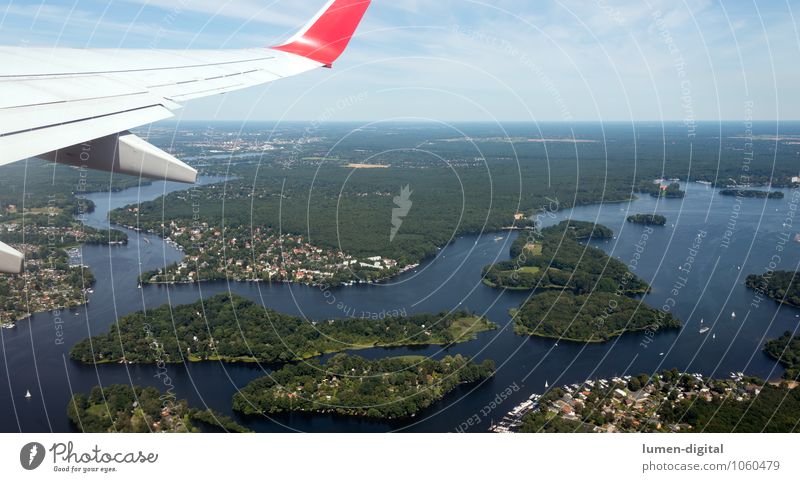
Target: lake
[697, 280]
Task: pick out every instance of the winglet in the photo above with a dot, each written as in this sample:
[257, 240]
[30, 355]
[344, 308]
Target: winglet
[326, 36]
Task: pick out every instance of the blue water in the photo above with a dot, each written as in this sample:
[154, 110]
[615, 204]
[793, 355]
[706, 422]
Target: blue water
[714, 288]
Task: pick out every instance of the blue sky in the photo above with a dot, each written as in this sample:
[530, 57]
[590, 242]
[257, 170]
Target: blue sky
[461, 60]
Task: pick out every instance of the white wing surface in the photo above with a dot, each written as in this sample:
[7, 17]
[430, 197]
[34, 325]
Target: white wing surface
[75, 106]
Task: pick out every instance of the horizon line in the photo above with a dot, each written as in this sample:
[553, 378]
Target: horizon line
[408, 121]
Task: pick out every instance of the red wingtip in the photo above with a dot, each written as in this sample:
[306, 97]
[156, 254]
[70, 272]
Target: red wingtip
[326, 37]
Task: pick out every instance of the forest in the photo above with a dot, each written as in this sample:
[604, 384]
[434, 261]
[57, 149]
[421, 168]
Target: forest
[555, 259]
[40, 184]
[125, 408]
[594, 317]
[387, 388]
[781, 286]
[468, 180]
[786, 349]
[232, 328]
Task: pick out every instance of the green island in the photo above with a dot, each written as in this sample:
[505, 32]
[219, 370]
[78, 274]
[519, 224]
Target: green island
[667, 402]
[555, 259]
[387, 388]
[234, 329]
[781, 286]
[123, 409]
[754, 193]
[589, 318]
[647, 219]
[582, 294]
[786, 349]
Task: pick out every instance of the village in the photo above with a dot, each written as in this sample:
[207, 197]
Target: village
[622, 404]
[239, 254]
[47, 284]
[54, 277]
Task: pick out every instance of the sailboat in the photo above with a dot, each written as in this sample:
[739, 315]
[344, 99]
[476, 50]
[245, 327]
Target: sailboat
[27, 394]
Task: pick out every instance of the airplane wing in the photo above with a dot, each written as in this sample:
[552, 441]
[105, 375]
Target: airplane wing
[75, 106]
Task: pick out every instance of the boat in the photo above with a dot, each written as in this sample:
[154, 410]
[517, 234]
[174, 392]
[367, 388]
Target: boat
[28, 394]
[704, 329]
[713, 336]
[9, 325]
[546, 385]
[701, 321]
[733, 314]
[661, 354]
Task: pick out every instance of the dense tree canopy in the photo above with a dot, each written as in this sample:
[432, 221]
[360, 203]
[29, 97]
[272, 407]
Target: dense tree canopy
[555, 259]
[647, 219]
[781, 286]
[786, 349]
[752, 193]
[774, 409]
[593, 317]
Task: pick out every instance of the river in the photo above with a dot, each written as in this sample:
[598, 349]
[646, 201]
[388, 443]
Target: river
[35, 356]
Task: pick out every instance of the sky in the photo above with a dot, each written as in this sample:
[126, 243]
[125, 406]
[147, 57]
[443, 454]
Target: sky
[464, 60]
